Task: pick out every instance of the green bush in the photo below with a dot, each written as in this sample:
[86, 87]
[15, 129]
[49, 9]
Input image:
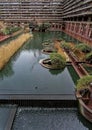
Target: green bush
[57, 60]
[84, 82]
[33, 25]
[10, 30]
[83, 47]
[66, 46]
[44, 26]
[88, 58]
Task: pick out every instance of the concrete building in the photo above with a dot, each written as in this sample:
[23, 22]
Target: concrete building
[77, 18]
[73, 16]
[24, 11]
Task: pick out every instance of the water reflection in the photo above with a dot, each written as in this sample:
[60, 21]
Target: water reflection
[26, 75]
[73, 74]
[7, 71]
[56, 72]
[68, 38]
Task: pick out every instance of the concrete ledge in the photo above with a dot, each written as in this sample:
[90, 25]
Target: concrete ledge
[37, 96]
[39, 100]
[11, 119]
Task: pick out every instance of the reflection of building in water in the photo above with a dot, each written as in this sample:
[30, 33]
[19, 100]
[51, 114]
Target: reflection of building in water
[7, 71]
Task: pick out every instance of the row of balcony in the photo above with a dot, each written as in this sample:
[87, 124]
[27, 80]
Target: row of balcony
[30, 19]
[51, 8]
[27, 1]
[78, 22]
[80, 10]
[37, 16]
[18, 10]
[73, 5]
[32, 3]
[69, 3]
[77, 7]
[78, 15]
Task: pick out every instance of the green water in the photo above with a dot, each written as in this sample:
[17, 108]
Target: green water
[88, 68]
[24, 75]
[68, 38]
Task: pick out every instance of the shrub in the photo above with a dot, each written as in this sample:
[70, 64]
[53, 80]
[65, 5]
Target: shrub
[84, 82]
[83, 47]
[6, 31]
[57, 60]
[33, 25]
[88, 58]
[66, 46]
[10, 30]
[44, 26]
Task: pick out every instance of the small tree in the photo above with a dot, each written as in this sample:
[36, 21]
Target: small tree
[57, 60]
[84, 82]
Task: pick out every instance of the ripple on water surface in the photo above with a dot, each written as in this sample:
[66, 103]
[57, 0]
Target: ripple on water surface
[50, 119]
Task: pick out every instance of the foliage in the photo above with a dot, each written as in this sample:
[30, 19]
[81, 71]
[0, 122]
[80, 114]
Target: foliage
[83, 47]
[44, 26]
[80, 55]
[10, 30]
[6, 31]
[84, 82]
[66, 46]
[88, 68]
[33, 24]
[57, 60]
[88, 57]
[41, 27]
[14, 29]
